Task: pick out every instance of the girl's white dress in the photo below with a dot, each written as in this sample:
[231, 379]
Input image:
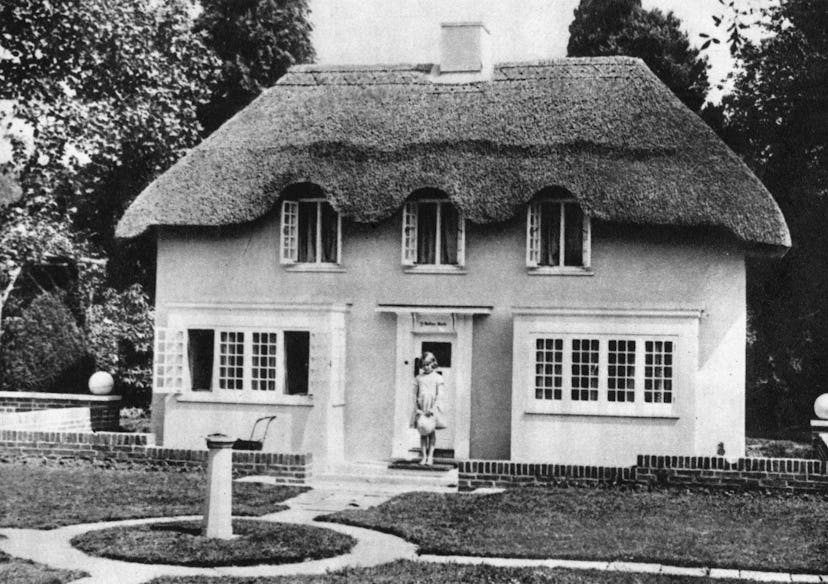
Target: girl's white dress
[428, 391]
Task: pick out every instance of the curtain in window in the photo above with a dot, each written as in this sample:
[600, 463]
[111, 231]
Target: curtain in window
[550, 234]
[307, 232]
[427, 233]
[448, 234]
[573, 236]
[329, 233]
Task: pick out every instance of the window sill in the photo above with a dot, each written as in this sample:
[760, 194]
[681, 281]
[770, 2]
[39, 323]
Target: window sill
[244, 399]
[559, 271]
[320, 267]
[435, 269]
[657, 414]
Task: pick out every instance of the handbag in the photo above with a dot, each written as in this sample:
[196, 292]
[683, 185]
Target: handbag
[426, 424]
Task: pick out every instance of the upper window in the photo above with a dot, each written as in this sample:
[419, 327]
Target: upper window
[557, 235]
[311, 232]
[433, 234]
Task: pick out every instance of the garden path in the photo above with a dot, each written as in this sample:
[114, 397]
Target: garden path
[52, 547]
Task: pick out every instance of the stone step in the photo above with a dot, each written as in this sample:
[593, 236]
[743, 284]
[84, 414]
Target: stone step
[377, 474]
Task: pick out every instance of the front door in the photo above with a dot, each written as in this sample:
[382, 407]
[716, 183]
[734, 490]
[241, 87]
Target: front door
[442, 347]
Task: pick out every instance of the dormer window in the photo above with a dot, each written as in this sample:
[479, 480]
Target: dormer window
[557, 236]
[433, 235]
[311, 233]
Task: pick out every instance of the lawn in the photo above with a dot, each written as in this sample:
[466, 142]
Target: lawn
[748, 531]
[44, 497]
[181, 543]
[404, 572]
[17, 571]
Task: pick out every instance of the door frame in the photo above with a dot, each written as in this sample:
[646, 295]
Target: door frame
[409, 333]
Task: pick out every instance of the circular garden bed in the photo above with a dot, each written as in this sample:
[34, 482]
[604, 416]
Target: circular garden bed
[181, 543]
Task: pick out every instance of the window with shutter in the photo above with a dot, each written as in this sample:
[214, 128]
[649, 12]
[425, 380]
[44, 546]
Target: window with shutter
[433, 234]
[289, 242]
[558, 237]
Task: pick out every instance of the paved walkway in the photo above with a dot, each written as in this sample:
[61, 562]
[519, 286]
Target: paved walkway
[51, 547]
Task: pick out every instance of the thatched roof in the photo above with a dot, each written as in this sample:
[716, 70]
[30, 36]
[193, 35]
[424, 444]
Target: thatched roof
[605, 128]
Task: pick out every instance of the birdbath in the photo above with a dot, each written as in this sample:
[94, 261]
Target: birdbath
[218, 504]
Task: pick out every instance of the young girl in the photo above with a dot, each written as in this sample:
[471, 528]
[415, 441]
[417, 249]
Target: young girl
[429, 385]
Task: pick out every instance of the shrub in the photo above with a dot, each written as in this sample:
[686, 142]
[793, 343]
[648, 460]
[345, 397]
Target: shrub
[42, 346]
[119, 329]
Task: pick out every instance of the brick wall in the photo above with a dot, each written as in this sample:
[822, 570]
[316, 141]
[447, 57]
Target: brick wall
[104, 409]
[773, 474]
[123, 450]
[58, 420]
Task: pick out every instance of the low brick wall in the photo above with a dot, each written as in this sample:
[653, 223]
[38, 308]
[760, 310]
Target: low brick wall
[474, 474]
[59, 420]
[104, 409]
[772, 474]
[125, 450]
[777, 474]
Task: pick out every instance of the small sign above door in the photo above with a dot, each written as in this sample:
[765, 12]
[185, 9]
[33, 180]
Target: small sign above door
[433, 323]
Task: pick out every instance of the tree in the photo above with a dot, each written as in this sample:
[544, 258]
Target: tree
[777, 116]
[110, 90]
[257, 40]
[623, 27]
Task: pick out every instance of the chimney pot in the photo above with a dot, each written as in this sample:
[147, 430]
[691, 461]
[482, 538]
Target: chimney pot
[464, 48]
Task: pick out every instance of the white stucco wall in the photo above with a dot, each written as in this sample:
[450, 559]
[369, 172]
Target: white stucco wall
[634, 267]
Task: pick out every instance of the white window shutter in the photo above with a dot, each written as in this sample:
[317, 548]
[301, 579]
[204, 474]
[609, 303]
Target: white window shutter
[533, 235]
[409, 234]
[168, 361]
[461, 241]
[289, 244]
[586, 231]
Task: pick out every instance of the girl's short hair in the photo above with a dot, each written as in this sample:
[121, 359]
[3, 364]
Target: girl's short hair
[428, 357]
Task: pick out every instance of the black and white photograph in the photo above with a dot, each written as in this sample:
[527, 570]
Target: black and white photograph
[413, 291]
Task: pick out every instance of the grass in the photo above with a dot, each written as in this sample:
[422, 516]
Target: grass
[181, 543]
[42, 497]
[17, 571]
[405, 572]
[746, 531]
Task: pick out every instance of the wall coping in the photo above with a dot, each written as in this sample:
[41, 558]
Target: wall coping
[87, 397]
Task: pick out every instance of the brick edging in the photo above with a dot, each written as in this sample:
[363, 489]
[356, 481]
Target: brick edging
[775, 474]
[131, 450]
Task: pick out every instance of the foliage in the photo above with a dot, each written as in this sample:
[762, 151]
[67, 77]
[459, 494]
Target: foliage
[40, 346]
[623, 27]
[119, 326]
[777, 119]
[110, 90]
[257, 40]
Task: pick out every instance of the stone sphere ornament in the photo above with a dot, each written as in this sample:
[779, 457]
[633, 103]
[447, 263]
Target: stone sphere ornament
[821, 407]
[101, 383]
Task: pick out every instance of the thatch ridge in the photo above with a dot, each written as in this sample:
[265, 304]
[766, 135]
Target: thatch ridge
[604, 128]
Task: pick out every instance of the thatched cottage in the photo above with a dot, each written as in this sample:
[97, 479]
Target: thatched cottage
[565, 236]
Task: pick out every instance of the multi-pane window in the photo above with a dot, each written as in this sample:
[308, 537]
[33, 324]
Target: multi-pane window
[549, 369]
[621, 371]
[584, 369]
[240, 360]
[595, 369]
[263, 373]
[433, 233]
[311, 232]
[557, 234]
[231, 360]
[169, 360]
[658, 372]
